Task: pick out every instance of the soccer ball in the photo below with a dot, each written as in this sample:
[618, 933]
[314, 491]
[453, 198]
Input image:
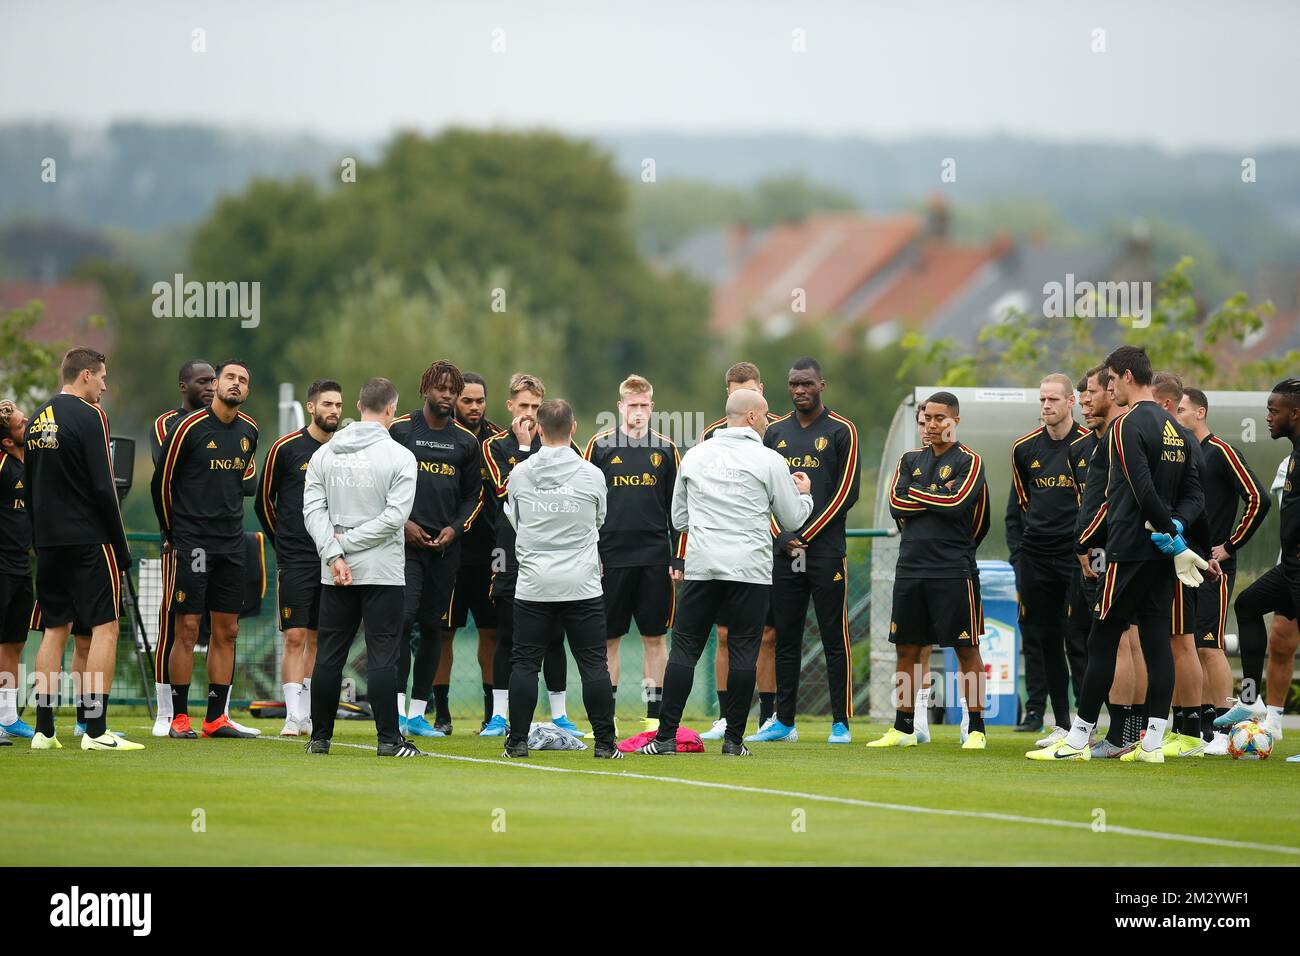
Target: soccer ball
[1249, 740]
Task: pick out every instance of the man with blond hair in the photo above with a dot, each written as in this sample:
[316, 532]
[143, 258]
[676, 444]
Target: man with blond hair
[501, 453]
[640, 555]
[1046, 505]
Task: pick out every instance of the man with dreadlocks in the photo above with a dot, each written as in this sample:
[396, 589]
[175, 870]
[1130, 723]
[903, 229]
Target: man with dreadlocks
[448, 499]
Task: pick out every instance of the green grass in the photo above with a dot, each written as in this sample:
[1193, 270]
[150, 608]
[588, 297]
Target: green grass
[265, 802]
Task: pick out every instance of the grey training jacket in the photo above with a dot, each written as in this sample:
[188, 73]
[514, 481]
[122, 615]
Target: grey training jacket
[727, 490]
[360, 484]
[556, 503]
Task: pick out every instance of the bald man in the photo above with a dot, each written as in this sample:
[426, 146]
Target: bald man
[728, 490]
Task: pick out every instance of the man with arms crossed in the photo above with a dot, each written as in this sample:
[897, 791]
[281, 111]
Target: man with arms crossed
[728, 491]
[936, 494]
[357, 497]
[297, 582]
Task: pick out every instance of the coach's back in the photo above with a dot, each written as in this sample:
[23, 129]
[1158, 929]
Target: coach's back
[359, 492]
[727, 492]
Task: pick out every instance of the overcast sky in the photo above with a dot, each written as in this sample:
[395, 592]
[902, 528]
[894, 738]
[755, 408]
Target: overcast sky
[1179, 73]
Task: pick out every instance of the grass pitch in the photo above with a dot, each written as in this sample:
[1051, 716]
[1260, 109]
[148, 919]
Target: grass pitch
[264, 802]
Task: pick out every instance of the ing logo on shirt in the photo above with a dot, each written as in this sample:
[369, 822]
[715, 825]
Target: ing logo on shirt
[437, 468]
[642, 480]
[807, 461]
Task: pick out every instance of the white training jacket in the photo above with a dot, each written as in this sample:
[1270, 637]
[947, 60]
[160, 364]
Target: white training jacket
[728, 489]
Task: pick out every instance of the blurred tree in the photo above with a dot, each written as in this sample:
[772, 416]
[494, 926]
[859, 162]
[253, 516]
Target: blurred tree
[28, 368]
[535, 211]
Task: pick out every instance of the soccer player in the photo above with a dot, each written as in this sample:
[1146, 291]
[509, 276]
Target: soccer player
[80, 543]
[638, 548]
[1183, 738]
[448, 498]
[1153, 493]
[743, 375]
[298, 573]
[473, 591]
[1226, 479]
[197, 384]
[1277, 591]
[358, 494]
[15, 566]
[1048, 507]
[198, 494]
[501, 453]
[728, 492]
[935, 493]
[810, 560]
[556, 504]
[1089, 462]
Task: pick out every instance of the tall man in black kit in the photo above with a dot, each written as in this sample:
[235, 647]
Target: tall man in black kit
[810, 559]
[448, 500]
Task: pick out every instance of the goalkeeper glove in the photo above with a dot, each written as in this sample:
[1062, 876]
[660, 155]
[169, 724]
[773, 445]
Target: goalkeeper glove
[1188, 566]
[1169, 544]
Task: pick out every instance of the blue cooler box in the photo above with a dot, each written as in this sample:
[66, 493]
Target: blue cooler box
[999, 648]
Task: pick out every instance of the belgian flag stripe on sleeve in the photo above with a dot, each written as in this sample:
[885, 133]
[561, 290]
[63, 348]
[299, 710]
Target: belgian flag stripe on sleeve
[846, 482]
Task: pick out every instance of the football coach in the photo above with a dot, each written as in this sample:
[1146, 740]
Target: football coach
[359, 492]
[728, 490]
[555, 501]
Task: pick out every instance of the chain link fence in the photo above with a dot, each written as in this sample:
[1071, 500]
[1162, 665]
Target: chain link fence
[259, 650]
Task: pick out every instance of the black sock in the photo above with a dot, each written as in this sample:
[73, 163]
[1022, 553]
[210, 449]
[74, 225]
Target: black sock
[766, 705]
[1192, 721]
[94, 712]
[487, 702]
[180, 699]
[1219, 712]
[81, 711]
[1140, 714]
[45, 714]
[1121, 715]
[1176, 725]
[217, 696]
[905, 723]
[1207, 722]
[722, 703]
[652, 702]
[441, 709]
[976, 722]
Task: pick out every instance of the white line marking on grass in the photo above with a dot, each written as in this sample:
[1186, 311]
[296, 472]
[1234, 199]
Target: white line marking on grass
[854, 802]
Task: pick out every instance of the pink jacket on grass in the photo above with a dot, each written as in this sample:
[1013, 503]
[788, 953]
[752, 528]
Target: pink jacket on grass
[688, 741]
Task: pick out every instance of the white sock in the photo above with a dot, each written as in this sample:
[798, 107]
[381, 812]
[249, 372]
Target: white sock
[306, 685]
[965, 717]
[921, 717]
[1155, 734]
[418, 707]
[163, 696]
[1080, 733]
[292, 700]
[1274, 713]
[8, 705]
[557, 703]
[401, 705]
[500, 703]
